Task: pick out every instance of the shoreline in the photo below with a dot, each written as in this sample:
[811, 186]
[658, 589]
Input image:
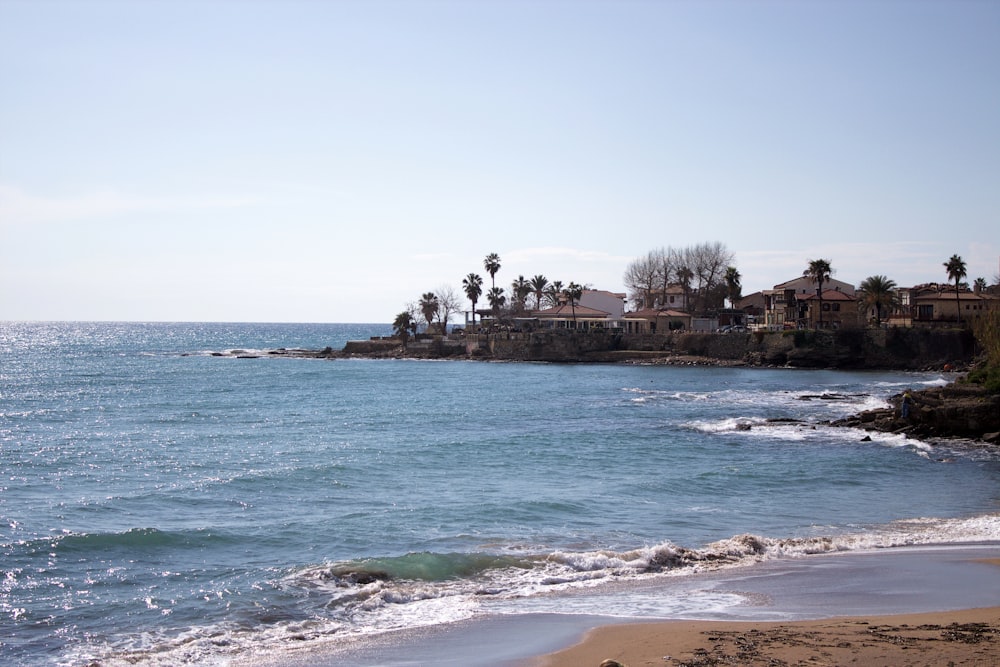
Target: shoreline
[812, 603]
[907, 606]
[963, 637]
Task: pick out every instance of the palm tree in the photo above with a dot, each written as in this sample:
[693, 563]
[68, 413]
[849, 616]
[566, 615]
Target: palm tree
[956, 271]
[401, 326]
[573, 293]
[733, 286]
[473, 286]
[819, 271]
[520, 289]
[877, 291]
[496, 299]
[429, 307]
[492, 265]
[554, 292]
[980, 284]
[684, 276]
[538, 285]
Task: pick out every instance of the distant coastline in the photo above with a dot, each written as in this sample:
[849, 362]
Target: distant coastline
[887, 349]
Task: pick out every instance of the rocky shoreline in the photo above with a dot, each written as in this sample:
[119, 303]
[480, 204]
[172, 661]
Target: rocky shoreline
[957, 410]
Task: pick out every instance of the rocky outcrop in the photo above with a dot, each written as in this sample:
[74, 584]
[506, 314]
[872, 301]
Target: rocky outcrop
[957, 410]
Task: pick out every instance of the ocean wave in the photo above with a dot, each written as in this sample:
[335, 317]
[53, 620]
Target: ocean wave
[378, 595]
[824, 400]
[141, 539]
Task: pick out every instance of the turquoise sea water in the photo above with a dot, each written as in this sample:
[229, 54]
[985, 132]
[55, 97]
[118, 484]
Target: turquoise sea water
[160, 504]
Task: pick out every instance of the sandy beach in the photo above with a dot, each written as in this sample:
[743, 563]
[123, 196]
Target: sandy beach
[956, 637]
[934, 605]
[968, 637]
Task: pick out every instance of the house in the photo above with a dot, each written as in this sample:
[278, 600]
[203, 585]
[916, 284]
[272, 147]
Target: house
[565, 316]
[612, 303]
[786, 306]
[806, 285]
[936, 303]
[752, 306]
[838, 309]
[656, 320]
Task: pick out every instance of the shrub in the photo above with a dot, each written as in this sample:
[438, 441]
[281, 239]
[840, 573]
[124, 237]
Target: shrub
[986, 329]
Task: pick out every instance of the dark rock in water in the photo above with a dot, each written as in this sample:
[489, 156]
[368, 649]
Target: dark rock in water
[744, 426]
[867, 438]
[783, 420]
[958, 410]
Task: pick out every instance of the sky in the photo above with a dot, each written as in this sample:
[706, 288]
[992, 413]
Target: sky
[331, 161]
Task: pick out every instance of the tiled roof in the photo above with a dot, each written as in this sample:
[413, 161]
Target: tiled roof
[652, 313]
[828, 295]
[566, 311]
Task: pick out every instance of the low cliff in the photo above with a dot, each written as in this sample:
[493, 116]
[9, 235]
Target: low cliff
[902, 349]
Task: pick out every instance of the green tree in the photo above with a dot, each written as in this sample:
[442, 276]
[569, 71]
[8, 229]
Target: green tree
[980, 283]
[733, 286]
[429, 307]
[956, 271]
[538, 285]
[819, 271]
[520, 289]
[877, 292]
[492, 265]
[473, 286]
[554, 293]
[573, 294]
[401, 326]
[497, 300]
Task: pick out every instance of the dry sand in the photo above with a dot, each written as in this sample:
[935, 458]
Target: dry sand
[970, 637]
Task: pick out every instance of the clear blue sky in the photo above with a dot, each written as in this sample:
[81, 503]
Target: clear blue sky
[330, 161]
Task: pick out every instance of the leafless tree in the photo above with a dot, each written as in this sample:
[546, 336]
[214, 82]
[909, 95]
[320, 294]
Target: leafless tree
[700, 269]
[449, 303]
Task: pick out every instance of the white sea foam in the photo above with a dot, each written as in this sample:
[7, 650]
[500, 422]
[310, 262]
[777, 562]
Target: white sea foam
[557, 582]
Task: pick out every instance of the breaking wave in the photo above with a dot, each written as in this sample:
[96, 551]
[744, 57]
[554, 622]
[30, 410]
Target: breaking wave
[378, 595]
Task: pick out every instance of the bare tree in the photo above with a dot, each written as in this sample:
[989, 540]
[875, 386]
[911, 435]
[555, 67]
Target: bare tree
[698, 269]
[448, 303]
[709, 262]
[641, 280]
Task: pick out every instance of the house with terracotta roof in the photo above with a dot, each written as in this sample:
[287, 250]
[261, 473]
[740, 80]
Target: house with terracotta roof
[786, 306]
[936, 303]
[566, 316]
[656, 320]
[837, 308]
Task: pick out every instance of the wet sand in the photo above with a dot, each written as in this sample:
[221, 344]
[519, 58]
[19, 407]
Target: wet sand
[931, 605]
[970, 637]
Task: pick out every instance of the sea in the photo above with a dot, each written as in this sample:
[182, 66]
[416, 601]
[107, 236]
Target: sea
[171, 493]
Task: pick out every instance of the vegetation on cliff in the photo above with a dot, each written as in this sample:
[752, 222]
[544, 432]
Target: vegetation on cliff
[987, 331]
